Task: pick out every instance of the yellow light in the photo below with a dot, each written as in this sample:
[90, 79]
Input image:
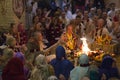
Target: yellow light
[85, 48]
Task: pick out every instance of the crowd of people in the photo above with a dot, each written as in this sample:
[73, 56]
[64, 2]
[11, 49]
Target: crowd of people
[54, 28]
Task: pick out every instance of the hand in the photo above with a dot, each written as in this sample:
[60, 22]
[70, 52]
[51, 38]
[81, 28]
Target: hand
[61, 77]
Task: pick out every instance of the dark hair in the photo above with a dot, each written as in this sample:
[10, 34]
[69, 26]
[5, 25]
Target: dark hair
[78, 16]
[32, 3]
[11, 25]
[34, 18]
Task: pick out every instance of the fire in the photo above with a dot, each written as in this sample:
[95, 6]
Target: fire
[85, 48]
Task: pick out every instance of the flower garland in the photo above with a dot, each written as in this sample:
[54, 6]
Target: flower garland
[103, 40]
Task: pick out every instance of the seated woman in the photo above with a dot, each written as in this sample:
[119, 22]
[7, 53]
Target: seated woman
[42, 70]
[54, 30]
[20, 55]
[14, 70]
[61, 65]
[35, 43]
[35, 46]
[8, 51]
[108, 68]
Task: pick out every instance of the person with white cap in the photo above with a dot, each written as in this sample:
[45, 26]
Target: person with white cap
[80, 71]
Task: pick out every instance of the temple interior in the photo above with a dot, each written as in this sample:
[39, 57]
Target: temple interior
[59, 39]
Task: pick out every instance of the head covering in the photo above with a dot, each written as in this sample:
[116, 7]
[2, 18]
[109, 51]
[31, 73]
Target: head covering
[83, 59]
[14, 70]
[80, 71]
[107, 69]
[60, 52]
[40, 60]
[20, 56]
[61, 66]
[9, 41]
[40, 71]
[107, 62]
[7, 55]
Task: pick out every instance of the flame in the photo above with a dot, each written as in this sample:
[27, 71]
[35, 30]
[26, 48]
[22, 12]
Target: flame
[85, 48]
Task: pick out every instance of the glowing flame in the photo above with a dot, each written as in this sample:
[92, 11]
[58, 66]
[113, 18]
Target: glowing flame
[85, 48]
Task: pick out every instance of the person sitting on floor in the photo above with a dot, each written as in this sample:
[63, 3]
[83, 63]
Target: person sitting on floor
[61, 65]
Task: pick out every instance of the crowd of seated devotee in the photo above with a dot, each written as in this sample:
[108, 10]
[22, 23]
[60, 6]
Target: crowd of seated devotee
[42, 48]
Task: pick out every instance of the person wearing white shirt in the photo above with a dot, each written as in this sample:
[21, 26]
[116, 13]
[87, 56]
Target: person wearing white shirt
[34, 8]
[68, 13]
[101, 30]
[111, 13]
[76, 13]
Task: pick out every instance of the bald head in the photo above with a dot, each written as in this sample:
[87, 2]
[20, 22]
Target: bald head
[100, 23]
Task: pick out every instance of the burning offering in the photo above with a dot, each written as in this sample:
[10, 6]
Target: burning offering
[85, 48]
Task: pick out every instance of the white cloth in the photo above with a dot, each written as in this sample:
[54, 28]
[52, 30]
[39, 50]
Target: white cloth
[111, 14]
[74, 16]
[69, 15]
[109, 23]
[35, 6]
[78, 73]
[104, 31]
[66, 21]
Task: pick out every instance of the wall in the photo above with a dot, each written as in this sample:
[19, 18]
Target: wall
[9, 16]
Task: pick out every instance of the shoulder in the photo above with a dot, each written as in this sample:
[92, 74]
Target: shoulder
[105, 30]
[75, 70]
[63, 62]
[8, 51]
[67, 61]
[53, 62]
